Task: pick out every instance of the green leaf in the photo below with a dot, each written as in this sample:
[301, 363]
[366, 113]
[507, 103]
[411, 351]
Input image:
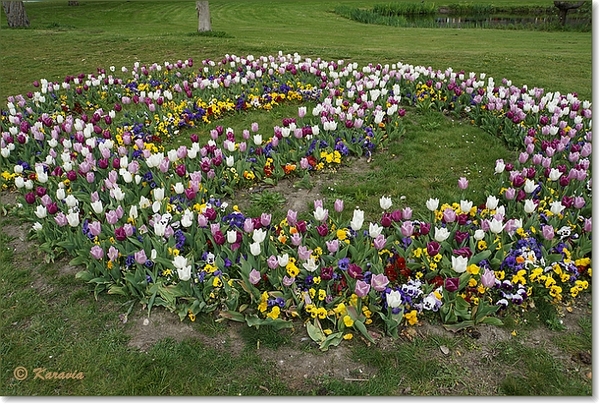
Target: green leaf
[492, 321]
[360, 326]
[475, 259]
[459, 326]
[232, 315]
[315, 332]
[331, 340]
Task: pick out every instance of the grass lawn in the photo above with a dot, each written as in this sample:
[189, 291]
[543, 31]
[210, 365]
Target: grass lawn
[50, 320]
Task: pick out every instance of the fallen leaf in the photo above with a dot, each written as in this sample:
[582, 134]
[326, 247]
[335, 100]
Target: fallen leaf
[444, 350]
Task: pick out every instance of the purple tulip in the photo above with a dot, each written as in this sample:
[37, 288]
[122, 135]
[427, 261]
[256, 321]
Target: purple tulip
[333, 245]
[202, 220]
[322, 229]
[396, 215]
[112, 217]
[254, 276]
[548, 232]
[338, 205]
[326, 273]
[355, 271]
[488, 279]
[113, 253]
[180, 170]
[95, 228]
[362, 288]
[449, 215]
[272, 262]
[587, 225]
[379, 282]
[451, 284]
[52, 208]
[265, 219]
[292, 217]
[61, 219]
[190, 194]
[407, 229]
[379, 242]
[407, 213]
[97, 252]
[120, 234]
[140, 257]
[433, 248]
[287, 281]
[463, 183]
[30, 198]
[424, 228]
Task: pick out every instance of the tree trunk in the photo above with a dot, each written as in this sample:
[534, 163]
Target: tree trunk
[203, 16]
[15, 14]
[564, 7]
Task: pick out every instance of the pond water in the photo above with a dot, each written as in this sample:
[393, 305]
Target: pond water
[446, 21]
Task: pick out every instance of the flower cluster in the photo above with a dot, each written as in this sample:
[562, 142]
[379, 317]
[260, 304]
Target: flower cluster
[91, 158]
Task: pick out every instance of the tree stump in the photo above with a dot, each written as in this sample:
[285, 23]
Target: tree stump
[203, 16]
[564, 7]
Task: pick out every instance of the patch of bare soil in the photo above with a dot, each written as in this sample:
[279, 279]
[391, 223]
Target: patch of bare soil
[300, 195]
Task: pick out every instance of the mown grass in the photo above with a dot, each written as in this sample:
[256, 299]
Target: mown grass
[50, 320]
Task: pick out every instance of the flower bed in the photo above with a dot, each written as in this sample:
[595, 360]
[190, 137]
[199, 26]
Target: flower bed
[151, 223]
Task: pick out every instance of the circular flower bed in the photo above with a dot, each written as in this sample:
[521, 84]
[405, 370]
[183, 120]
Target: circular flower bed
[149, 222]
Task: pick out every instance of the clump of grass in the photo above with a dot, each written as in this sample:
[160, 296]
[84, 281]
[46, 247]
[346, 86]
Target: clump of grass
[212, 34]
[395, 9]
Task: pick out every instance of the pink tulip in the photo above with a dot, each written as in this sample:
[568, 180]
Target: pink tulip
[379, 282]
[362, 288]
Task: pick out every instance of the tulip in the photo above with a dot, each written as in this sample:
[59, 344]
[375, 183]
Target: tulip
[61, 219]
[556, 207]
[338, 205]
[452, 284]
[321, 214]
[488, 279]
[379, 242]
[291, 217]
[491, 202]
[255, 249]
[385, 202]
[374, 230]
[95, 228]
[41, 211]
[97, 252]
[548, 232]
[310, 265]
[357, 219]
[140, 257]
[496, 226]
[449, 215]
[432, 204]
[433, 248]
[73, 219]
[231, 236]
[254, 277]
[407, 229]
[379, 282]
[361, 288]
[441, 234]
[407, 213]
[459, 264]
[529, 206]
[259, 235]
[393, 299]
[463, 183]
